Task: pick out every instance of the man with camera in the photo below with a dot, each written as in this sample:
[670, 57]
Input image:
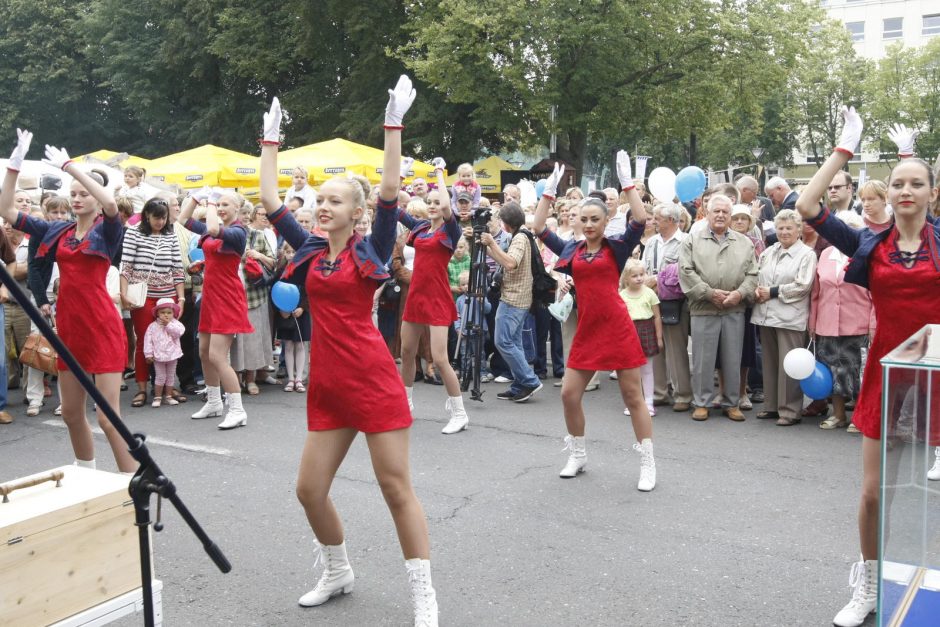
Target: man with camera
[514, 303]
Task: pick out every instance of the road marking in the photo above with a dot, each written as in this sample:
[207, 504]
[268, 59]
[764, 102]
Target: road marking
[194, 448]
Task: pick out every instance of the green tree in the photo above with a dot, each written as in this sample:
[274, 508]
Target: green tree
[47, 80]
[649, 71]
[829, 74]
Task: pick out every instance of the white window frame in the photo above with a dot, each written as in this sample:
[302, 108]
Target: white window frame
[894, 33]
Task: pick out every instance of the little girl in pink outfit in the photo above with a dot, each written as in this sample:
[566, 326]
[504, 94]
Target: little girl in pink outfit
[162, 349]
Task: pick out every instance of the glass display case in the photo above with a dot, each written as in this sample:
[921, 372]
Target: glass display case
[909, 516]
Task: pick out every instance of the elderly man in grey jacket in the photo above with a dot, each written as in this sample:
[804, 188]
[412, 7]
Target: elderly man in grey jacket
[718, 273]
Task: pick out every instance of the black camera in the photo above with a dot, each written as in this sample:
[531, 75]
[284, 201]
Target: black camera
[480, 220]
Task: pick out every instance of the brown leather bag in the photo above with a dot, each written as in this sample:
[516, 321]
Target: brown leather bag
[38, 353]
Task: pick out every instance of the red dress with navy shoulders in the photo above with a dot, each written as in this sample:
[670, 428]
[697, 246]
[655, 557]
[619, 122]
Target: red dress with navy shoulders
[224, 306]
[430, 300]
[354, 380]
[905, 299]
[605, 338]
[86, 318]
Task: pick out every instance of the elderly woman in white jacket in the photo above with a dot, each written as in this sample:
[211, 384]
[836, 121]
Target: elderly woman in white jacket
[786, 272]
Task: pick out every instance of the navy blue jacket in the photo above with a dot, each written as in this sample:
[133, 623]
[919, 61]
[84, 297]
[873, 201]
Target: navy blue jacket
[858, 244]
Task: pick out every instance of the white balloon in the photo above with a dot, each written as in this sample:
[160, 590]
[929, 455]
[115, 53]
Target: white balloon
[662, 184]
[799, 364]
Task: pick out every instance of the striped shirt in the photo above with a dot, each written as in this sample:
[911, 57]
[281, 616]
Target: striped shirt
[152, 259]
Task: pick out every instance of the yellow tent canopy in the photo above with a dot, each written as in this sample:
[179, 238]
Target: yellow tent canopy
[206, 165]
[487, 172]
[113, 158]
[324, 160]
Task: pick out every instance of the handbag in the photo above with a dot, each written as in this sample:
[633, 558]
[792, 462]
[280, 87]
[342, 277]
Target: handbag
[38, 353]
[670, 311]
[255, 271]
[136, 294]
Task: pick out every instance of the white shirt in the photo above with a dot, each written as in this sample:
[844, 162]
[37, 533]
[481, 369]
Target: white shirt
[659, 251]
[617, 225]
[307, 193]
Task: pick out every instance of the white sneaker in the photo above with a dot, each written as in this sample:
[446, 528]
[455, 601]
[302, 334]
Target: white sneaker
[577, 460]
[647, 465]
[458, 416]
[486, 378]
[745, 403]
[613, 375]
[934, 473]
[864, 579]
[34, 407]
[423, 596]
[502, 379]
[337, 577]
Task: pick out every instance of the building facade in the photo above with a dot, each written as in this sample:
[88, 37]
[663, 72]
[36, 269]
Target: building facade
[877, 24]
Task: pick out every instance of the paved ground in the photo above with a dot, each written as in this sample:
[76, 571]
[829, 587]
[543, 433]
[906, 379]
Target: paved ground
[750, 523]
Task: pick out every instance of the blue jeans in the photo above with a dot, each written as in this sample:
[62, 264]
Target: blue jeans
[509, 323]
[3, 361]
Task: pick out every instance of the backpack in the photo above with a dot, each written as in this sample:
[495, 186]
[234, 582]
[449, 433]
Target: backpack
[543, 285]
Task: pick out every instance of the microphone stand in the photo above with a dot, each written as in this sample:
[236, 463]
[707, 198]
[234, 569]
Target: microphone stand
[148, 479]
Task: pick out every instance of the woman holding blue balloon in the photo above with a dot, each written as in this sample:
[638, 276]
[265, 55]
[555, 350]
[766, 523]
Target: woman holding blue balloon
[785, 276]
[354, 384]
[901, 268]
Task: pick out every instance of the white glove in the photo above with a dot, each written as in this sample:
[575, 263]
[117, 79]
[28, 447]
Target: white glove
[624, 172]
[214, 195]
[201, 194]
[272, 122]
[851, 131]
[904, 138]
[551, 183]
[438, 163]
[57, 157]
[23, 139]
[399, 101]
[405, 166]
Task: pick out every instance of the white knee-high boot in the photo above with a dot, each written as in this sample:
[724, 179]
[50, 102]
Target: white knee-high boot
[213, 406]
[577, 458]
[423, 597]
[647, 465]
[337, 577]
[236, 416]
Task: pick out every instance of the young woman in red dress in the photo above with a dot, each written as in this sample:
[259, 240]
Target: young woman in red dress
[223, 311]
[900, 266]
[606, 337]
[430, 303]
[354, 384]
[84, 250]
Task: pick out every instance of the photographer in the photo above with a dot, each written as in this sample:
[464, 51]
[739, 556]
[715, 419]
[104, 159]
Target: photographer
[515, 300]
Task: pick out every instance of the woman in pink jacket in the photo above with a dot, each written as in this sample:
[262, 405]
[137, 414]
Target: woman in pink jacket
[841, 320]
[162, 349]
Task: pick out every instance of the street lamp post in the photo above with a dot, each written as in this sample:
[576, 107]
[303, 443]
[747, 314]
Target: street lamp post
[758, 152]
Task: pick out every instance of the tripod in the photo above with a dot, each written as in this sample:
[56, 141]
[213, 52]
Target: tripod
[148, 479]
[472, 331]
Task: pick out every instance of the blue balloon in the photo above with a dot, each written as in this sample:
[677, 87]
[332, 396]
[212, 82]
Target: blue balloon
[690, 183]
[539, 188]
[286, 296]
[196, 254]
[818, 385]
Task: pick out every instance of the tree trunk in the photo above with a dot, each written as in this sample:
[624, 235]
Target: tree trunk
[573, 151]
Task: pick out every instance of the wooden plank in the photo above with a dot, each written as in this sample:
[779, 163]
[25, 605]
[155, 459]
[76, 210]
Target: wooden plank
[64, 570]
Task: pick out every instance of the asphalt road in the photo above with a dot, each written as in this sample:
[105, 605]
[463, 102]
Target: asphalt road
[749, 524]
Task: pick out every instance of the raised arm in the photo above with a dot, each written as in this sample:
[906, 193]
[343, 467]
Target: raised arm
[625, 175]
[808, 202]
[548, 197]
[213, 223]
[189, 205]
[270, 143]
[383, 231]
[60, 159]
[447, 210]
[7, 209]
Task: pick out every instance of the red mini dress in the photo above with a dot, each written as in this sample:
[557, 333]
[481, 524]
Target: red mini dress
[86, 318]
[605, 338]
[356, 383]
[224, 306]
[430, 300]
[905, 299]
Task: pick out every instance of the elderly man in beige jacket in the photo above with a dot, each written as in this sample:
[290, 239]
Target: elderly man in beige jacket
[718, 273]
